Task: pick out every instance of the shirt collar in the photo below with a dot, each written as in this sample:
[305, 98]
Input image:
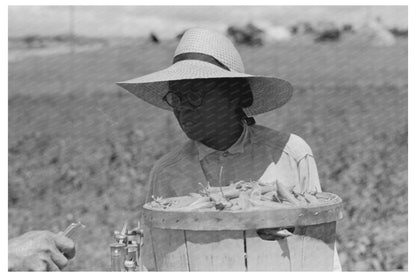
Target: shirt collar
[237, 147]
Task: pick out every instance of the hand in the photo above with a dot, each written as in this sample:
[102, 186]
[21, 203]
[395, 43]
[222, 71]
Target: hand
[275, 233]
[40, 251]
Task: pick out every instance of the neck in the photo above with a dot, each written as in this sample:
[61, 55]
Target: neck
[225, 138]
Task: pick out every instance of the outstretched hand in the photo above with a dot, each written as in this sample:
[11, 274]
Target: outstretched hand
[40, 251]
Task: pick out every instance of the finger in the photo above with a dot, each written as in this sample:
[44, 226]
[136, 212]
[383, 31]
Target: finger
[51, 266]
[46, 258]
[59, 259]
[65, 245]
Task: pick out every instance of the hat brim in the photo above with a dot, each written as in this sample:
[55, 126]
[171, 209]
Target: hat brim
[268, 92]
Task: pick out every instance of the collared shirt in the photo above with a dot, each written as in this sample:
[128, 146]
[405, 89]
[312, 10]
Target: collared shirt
[260, 153]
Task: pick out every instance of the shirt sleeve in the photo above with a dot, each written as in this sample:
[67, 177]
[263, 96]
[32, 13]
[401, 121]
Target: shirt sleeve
[309, 181]
[337, 262]
[148, 256]
[308, 174]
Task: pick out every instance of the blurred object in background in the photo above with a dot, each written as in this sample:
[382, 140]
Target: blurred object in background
[399, 33]
[327, 31]
[34, 42]
[328, 35]
[248, 34]
[153, 38]
[302, 28]
[347, 28]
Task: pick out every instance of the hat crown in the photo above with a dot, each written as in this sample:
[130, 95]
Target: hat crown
[211, 43]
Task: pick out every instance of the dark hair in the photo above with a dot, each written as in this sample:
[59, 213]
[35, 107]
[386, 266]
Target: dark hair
[240, 87]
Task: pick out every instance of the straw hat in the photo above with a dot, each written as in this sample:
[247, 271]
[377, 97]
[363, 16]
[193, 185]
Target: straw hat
[204, 54]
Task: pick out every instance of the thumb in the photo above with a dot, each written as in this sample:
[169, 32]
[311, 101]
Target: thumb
[65, 245]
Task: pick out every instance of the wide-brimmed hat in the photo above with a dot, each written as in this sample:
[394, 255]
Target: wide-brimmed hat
[204, 54]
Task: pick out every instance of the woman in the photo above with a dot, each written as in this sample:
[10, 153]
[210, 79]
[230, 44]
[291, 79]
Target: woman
[213, 101]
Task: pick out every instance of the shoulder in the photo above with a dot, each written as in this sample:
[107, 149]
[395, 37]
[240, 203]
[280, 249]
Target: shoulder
[297, 147]
[292, 144]
[164, 169]
[175, 156]
[269, 137]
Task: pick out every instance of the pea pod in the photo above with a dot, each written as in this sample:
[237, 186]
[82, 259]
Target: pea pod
[310, 198]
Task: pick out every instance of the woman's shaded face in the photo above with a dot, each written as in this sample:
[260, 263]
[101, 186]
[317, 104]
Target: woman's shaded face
[205, 108]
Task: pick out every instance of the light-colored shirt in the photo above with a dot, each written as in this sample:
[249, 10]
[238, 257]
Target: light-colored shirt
[260, 153]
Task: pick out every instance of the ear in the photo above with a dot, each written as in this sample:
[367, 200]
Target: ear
[234, 101]
[246, 96]
[246, 99]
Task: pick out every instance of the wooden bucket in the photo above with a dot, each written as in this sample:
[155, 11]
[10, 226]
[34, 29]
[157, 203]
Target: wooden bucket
[228, 240]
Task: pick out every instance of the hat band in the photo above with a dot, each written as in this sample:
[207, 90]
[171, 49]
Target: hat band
[199, 57]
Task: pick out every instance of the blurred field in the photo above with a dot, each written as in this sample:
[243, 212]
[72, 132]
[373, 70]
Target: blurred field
[79, 148]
